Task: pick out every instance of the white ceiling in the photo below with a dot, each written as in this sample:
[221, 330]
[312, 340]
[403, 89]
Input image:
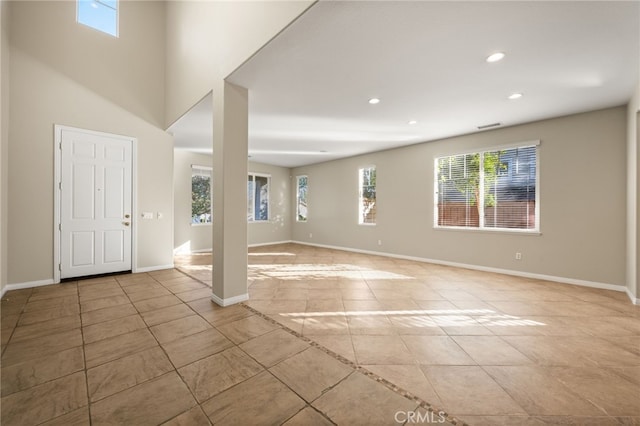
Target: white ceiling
[309, 87]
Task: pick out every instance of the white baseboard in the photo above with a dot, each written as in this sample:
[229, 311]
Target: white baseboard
[154, 268]
[28, 284]
[564, 280]
[634, 299]
[271, 244]
[231, 300]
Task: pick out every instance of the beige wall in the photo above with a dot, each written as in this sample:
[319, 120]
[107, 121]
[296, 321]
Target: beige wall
[199, 237]
[68, 74]
[633, 183]
[4, 138]
[582, 212]
[278, 229]
[207, 40]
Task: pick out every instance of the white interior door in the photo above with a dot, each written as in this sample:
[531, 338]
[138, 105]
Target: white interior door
[95, 203]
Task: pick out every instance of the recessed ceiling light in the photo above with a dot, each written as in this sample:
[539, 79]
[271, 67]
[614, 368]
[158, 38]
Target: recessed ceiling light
[495, 57]
[412, 122]
[515, 96]
[374, 101]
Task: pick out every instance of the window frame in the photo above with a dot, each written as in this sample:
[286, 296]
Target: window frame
[533, 231]
[209, 169]
[306, 217]
[360, 197]
[253, 219]
[103, 4]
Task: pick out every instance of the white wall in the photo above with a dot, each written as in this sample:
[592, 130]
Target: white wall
[65, 73]
[583, 198]
[195, 238]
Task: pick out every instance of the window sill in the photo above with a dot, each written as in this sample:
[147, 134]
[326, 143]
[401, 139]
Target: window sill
[367, 224]
[202, 224]
[525, 232]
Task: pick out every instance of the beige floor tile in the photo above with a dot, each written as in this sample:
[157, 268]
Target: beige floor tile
[327, 305]
[176, 329]
[487, 398]
[189, 296]
[193, 417]
[112, 328]
[54, 302]
[273, 347]
[101, 315]
[156, 303]
[51, 291]
[491, 350]
[217, 315]
[371, 325]
[214, 374]
[247, 328]
[410, 378]
[45, 328]
[260, 400]
[23, 375]
[143, 286]
[196, 346]
[186, 286]
[318, 323]
[436, 350]
[117, 347]
[381, 350]
[148, 294]
[79, 417]
[416, 324]
[293, 323]
[95, 292]
[104, 302]
[631, 374]
[167, 314]
[538, 392]
[340, 344]
[308, 417]
[373, 403]
[123, 373]
[28, 318]
[42, 346]
[605, 389]
[310, 373]
[151, 402]
[46, 401]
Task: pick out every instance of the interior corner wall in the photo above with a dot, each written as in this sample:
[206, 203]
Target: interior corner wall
[208, 40]
[188, 238]
[582, 209]
[278, 228]
[4, 138]
[64, 73]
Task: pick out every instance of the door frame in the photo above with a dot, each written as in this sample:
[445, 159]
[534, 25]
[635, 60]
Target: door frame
[57, 139]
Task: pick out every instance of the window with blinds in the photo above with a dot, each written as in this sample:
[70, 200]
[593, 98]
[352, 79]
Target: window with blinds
[201, 199]
[493, 189]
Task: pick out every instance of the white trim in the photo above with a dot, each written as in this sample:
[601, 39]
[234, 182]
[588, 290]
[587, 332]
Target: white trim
[231, 300]
[57, 139]
[634, 300]
[28, 284]
[523, 144]
[177, 251]
[271, 244]
[155, 268]
[563, 280]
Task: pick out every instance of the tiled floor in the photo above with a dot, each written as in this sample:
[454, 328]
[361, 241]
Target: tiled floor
[328, 337]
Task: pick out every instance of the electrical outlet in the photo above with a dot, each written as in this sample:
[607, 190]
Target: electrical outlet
[147, 215]
[310, 235]
[379, 242]
[518, 256]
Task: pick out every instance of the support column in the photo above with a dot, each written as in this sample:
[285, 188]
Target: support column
[230, 148]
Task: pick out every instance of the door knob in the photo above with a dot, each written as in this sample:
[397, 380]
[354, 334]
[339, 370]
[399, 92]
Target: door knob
[125, 223]
[127, 216]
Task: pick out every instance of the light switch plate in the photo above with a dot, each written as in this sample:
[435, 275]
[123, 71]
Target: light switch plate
[147, 215]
